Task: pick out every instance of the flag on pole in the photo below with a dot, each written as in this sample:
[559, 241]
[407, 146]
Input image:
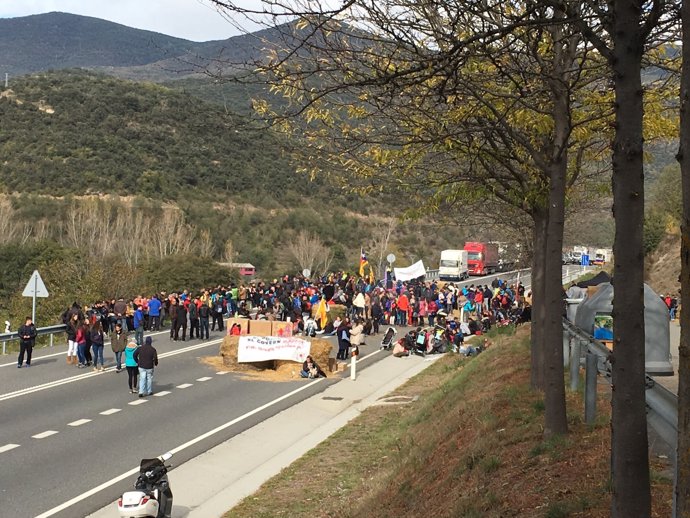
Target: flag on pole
[372, 279]
[322, 312]
[363, 262]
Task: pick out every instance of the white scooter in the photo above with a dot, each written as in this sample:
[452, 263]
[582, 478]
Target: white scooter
[152, 496]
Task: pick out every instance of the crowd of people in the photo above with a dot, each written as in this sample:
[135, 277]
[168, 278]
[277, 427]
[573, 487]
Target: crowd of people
[368, 306]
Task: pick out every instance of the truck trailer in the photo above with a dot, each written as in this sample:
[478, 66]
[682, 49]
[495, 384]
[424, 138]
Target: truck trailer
[482, 258]
[453, 265]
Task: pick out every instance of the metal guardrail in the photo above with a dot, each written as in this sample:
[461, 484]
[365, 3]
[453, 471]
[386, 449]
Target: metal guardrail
[662, 404]
[14, 335]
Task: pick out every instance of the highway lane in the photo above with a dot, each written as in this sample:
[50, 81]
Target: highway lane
[103, 431]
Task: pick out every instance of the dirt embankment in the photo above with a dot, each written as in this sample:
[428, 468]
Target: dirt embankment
[662, 267]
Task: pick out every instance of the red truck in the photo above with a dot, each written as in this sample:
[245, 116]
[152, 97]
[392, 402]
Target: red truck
[482, 258]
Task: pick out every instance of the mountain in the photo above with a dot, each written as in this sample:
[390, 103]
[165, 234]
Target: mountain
[56, 40]
[61, 40]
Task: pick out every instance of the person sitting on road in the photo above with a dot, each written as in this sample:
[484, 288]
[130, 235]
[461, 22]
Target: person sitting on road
[310, 369]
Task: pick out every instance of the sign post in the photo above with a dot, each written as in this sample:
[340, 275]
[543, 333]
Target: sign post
[35, 288]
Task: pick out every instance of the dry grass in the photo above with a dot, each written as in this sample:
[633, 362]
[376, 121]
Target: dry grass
[470, 446]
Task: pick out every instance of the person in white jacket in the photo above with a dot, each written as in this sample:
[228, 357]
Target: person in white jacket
[357, 333]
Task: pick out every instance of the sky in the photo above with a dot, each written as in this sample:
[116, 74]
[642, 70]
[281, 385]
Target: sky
[195, 20]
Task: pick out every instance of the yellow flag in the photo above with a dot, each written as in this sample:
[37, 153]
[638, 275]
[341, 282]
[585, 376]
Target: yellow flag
[322, 313]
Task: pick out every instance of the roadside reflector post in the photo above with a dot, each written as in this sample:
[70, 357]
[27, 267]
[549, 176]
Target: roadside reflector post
[353, 363]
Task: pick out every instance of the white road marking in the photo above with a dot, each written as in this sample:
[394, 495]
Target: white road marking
[86, 494]
[205, 378]
[63, 353]
[185, 385]
[110, 411]
[139, 401]
[45, 434]
[162, 393]
[79, 422]
[87, 375]
[220, 373]
[8, 447]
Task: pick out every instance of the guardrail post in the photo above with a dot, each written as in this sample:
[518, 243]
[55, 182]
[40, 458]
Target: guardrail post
[51, 339]
[591, 387]
[4, 345]
[574, 364]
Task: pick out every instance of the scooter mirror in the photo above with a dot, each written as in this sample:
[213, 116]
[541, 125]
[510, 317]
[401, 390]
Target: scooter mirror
[166, 456]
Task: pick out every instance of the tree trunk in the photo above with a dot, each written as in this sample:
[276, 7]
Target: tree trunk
[556, 421]
[538, 300]
[629, 446]
[682, 482]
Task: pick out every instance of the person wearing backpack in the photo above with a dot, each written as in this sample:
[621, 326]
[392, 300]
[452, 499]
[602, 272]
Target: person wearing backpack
[204, 314]
[97, 345]
[194, 318]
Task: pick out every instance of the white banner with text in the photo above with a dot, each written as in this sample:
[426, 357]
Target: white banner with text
[263, 348]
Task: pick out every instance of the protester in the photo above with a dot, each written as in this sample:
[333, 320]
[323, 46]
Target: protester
[146, 358]
[97, 345]
[132, 367]
[27, 337]
[118, 342]
[310, 369]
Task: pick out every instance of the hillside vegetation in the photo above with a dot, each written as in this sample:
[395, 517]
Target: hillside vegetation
[465, 441]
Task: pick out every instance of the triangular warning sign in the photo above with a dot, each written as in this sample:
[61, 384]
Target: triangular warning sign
[35, 286]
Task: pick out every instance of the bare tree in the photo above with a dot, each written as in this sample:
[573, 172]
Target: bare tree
[378, 249]
[306, 248]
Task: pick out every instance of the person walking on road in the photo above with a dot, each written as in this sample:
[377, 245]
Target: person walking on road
[118, 342]
[146, 358]
[132, 367]
[138, 325]
[27, 338]
[97, 345]
[71, 329]
[204, 313]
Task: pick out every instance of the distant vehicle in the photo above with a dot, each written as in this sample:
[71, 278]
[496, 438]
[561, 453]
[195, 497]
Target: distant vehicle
[602, 256]
[482, 258]
[453, 265]
[576, 257]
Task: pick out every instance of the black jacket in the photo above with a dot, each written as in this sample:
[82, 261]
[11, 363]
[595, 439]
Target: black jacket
[29, 331]
[146, 356]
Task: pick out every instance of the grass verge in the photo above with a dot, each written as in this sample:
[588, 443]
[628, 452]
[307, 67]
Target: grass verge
[470, 445]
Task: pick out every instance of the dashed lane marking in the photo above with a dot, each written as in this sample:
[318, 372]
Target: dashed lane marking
[205, 378]
[220, 373]
[110, 411]
[80, 377]
[162, 393]
[45, 434]
[8, 447]
[139, 401]
[185, 385]
[79, 422]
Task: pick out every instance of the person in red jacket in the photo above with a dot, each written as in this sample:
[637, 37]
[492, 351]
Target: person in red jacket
[403, 308]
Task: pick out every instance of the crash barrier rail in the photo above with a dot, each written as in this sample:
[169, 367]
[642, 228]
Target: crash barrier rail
[14, 335]
[579, 347]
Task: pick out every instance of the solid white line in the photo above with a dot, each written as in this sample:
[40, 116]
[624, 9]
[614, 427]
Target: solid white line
[205, 378]
[79, 422]
[87, 375]
[185, 385]
[110, 411]
[63, 353]
[139, 401]
[90, 492]
[45, 434]
[161, 394]
[8, 447]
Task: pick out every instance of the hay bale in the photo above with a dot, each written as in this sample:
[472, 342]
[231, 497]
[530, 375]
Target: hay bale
[335, 310]
[320, 350]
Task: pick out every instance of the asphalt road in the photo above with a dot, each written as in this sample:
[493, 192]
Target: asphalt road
[66, 431]
[71, 439]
